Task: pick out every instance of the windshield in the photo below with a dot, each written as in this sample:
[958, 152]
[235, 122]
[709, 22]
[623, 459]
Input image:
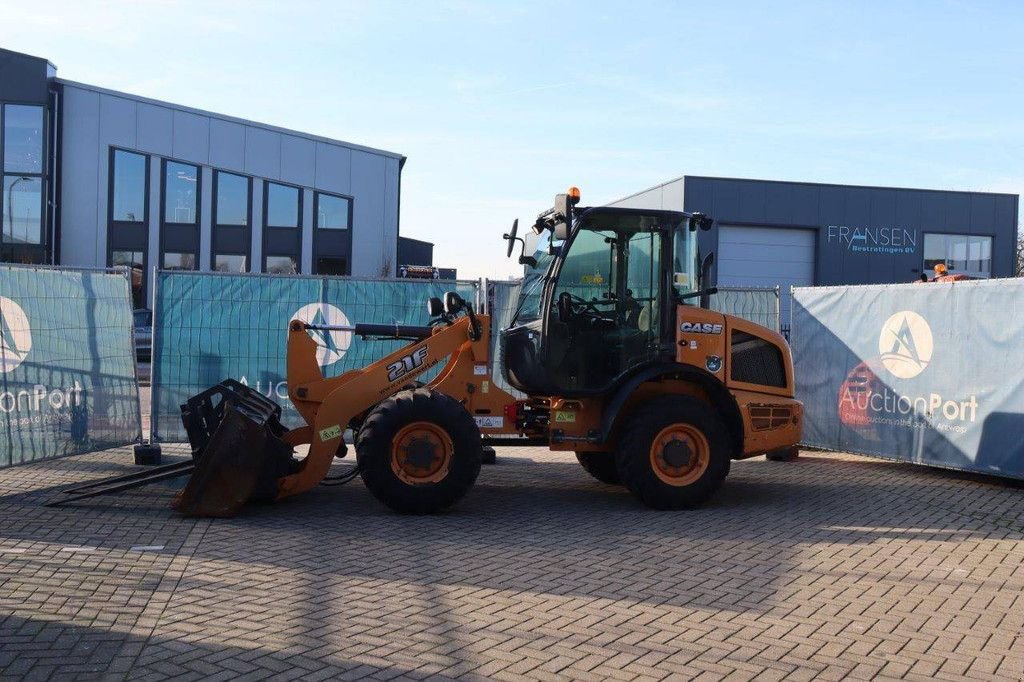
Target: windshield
[528, 309]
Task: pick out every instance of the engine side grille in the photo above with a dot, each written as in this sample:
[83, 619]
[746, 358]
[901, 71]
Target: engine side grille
[766, 417]
[756, 361]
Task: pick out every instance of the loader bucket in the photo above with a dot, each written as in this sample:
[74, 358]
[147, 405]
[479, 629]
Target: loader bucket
[239, 455]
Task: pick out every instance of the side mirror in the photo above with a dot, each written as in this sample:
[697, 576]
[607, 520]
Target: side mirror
[435, 307]
[701, 221]
[564, 307]
[511, 237]
[528, 260]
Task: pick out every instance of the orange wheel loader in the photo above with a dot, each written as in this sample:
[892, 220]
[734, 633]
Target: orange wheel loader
[617, 364]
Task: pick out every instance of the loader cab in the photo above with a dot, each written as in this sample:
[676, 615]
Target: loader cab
[600, 302]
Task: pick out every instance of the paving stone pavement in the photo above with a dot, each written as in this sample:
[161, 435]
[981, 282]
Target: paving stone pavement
[833, 566]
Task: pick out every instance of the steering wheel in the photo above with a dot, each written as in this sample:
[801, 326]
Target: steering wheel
[570, 305]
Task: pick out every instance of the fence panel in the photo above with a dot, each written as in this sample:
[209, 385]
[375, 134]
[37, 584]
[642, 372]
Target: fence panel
[503, 298]
[67, 364]
[210, 326]
[757, 305]
[931, 374]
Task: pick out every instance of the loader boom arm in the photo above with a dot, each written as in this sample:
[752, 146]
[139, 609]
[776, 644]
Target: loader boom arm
[329, 405]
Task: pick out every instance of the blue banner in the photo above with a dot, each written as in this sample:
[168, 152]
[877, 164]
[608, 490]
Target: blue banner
[209, 327]
[67, 364]
[924, 373]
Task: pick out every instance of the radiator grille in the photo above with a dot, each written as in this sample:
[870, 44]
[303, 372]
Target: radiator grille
[756, 361]
[766, 417]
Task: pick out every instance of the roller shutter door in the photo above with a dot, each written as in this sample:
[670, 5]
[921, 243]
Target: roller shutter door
[766, 257]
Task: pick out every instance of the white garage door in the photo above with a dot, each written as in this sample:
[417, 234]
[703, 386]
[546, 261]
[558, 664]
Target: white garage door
[766, 257]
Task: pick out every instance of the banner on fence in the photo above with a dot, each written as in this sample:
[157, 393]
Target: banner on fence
[209, 327]
[67, 365]
[931, 374]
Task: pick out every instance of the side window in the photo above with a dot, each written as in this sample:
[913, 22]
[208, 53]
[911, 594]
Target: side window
[642, 281]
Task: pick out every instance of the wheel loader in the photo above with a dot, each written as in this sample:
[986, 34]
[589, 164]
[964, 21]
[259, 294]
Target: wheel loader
[613, 345]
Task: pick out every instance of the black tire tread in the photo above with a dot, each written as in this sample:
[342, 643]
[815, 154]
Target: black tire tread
[373, 451]
[633, 460]
[600, 465]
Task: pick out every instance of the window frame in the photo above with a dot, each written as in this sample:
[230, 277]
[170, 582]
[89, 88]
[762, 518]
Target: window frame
[110, 189]
[316, 210]
[13, 249]
[278, 232]
[216, 229]
[266, 205]
[164, 161]
[215, 199]
[213, 262]
[323, 234]
[174, 235]
[991, 255]
[130, 236]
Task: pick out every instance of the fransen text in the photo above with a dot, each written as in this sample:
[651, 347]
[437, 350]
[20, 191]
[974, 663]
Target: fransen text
[873, 239]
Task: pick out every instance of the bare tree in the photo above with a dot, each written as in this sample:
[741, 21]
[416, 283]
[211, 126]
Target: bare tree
[1018, 263]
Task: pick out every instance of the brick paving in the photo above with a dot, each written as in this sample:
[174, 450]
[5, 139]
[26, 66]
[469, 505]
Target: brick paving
[830, 567]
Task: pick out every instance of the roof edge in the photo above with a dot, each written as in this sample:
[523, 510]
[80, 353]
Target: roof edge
[231, 119]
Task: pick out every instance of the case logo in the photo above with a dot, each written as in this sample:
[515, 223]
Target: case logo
[700, 328]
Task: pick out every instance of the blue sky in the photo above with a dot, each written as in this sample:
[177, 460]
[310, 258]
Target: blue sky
[499, 105]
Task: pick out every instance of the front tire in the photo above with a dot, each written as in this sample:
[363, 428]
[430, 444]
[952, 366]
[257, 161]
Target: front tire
[419, 451]
[674, 452]
[600, 465]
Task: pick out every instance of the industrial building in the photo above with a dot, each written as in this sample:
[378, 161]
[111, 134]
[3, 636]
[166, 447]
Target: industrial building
[93, 177]
[785, 234]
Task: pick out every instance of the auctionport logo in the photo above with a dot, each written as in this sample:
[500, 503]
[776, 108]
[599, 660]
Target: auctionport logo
[332, 344]
[15, 335]
[906, 344]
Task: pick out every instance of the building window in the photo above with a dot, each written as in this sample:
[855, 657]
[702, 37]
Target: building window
[229, 262]
[23, 139]
[181, 193]
[962, 254]
[129, 181]
[232, 195]
[282, 265]
[21, 181]
[136, 262]
[332, 213]
[23, 209]
[331, 266]
[179, 261]
[283, 205]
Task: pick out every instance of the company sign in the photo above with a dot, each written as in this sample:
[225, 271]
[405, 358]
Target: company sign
[886, 240]
[67, 367]
[883, 371]
[211, 327]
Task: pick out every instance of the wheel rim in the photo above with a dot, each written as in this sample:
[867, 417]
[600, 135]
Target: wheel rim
[680, 454]
[421, 452]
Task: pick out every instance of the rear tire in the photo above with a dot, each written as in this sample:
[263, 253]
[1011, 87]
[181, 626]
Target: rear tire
[419, 451]
[600, 465]
[674, 452]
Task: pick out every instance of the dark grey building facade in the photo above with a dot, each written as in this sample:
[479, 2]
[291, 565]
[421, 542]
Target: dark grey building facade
[785, 234]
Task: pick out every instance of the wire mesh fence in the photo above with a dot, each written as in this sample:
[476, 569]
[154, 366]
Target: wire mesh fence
[67, 364]
[210, 326]
[503, 300]
[758, 305]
